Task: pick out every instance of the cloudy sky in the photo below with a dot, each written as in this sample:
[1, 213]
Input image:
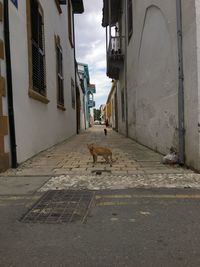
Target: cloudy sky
[91, 47]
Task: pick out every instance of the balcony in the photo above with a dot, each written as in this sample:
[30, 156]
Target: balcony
[115, 57]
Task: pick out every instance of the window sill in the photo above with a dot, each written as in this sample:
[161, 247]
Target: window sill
[58, 6]
[33, 94]
[61, 107]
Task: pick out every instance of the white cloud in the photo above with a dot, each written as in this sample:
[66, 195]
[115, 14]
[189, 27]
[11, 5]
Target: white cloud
[91, 47]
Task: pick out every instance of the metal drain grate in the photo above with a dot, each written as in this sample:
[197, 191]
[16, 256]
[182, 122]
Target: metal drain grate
[60, 206]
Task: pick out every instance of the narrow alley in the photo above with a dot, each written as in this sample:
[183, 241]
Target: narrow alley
[70, 165]
[122, 75]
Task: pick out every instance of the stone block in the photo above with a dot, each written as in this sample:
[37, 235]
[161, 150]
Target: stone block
[2, 86]
[4, 162]
[1, 49]
[3, 125]
[1, 144]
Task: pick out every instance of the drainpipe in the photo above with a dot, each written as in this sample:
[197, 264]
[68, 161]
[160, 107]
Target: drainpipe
[125, 69]
[181, 85]
[9, 86]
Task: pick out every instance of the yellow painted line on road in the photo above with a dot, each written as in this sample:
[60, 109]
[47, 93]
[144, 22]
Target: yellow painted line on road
[112, 196]
[120, 203]
[146, 196]
[104, 198]
[13, 198]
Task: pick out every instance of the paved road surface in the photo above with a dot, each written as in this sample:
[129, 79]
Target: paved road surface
[133, 228]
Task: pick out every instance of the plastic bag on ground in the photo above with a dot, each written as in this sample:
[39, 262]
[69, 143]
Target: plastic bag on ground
[170, 158]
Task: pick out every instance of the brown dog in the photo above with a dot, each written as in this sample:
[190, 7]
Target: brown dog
[96, 151]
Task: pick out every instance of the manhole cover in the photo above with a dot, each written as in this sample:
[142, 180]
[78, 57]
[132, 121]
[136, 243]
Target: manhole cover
[60, 206]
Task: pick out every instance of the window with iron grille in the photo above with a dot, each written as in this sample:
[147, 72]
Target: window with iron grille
[60, 80]
[37, 43]
[130, 19]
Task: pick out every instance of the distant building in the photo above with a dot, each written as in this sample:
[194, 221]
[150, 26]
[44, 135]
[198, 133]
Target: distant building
[103, 114]
[90, 90]
[111, 107]
[37, 78]
[80, 103]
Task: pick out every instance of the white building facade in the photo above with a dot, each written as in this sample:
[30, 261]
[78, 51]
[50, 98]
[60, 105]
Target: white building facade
[42, 65]
[81, 121]
[156, 64]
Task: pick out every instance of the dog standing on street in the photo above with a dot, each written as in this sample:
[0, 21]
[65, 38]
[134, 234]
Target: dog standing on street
[96, 151]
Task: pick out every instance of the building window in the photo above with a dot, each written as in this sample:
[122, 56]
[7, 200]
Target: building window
[37, 45]
[59, 72]
[70, 24]
[122, 104]
[36, 51]
[130, 19]
[73, 94]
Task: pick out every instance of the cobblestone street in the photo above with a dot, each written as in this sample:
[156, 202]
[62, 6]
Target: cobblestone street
[70, 165]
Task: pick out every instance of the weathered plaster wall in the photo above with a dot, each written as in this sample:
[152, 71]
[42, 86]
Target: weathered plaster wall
[152, 75]
[121, 83]
[39, 125]
[191, 43]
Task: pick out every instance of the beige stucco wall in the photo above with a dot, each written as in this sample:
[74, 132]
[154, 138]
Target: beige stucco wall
[38, 125]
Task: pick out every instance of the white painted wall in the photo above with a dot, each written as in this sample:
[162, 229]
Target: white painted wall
[191, 60]
[152, 75]
[39, 126]
[121, 85]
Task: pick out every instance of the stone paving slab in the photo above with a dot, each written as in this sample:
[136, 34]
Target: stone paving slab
[137, 164]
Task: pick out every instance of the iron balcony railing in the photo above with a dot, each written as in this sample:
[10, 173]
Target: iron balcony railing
[115, 56]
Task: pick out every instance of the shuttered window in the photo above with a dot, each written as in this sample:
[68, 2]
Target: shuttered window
[38, 53]
[59, 60]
